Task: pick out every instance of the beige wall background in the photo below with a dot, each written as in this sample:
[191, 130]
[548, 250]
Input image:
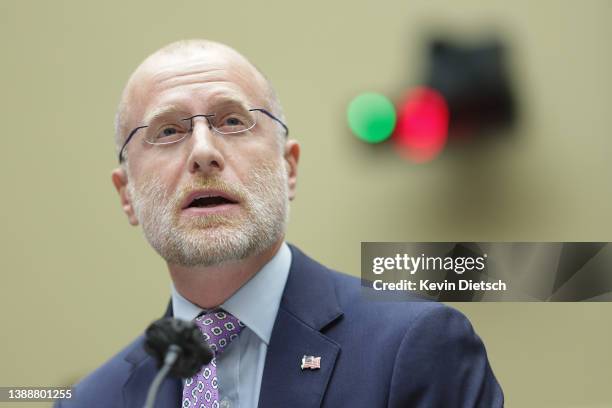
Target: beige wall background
[79, 283]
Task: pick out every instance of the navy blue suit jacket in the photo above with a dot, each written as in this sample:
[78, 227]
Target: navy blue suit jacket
[373, 354]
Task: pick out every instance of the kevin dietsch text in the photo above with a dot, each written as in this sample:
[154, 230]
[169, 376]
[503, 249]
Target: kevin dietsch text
[410, 265]
[427, 285]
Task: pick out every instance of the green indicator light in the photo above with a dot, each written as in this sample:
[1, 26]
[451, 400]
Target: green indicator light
[371, 117]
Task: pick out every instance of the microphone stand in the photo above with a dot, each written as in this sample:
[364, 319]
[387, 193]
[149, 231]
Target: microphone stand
[178, 347]
[173, 353]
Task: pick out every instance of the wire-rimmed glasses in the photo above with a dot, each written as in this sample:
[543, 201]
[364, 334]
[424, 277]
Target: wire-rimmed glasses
[168, 129]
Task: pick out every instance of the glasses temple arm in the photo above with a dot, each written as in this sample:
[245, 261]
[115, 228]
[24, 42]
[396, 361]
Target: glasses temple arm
[271, 116]
[127, 140]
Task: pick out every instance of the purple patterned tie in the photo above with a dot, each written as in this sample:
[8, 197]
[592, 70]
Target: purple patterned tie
[219, 328]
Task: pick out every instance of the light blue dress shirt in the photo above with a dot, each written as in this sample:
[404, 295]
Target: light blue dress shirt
[240, 367]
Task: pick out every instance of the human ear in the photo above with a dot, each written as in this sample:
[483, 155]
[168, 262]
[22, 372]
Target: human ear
[120, 181]
[292, 156]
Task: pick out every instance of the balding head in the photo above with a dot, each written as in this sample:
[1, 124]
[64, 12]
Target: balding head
[162, 65]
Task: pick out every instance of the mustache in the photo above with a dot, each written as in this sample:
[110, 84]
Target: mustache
[238, 192]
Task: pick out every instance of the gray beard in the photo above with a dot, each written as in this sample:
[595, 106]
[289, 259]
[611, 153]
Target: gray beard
[215, 240]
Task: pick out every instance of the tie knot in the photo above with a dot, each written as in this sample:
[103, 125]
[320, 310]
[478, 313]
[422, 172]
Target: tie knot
[219, 328]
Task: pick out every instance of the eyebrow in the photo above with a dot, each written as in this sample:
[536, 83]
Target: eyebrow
[162, 111]
[165, 110]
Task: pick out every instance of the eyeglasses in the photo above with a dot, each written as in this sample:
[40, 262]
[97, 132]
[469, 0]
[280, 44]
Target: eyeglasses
[226, 121]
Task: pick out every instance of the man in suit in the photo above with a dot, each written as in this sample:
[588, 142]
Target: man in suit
[208, 170]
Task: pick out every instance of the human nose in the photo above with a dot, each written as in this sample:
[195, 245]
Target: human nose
[205, 157]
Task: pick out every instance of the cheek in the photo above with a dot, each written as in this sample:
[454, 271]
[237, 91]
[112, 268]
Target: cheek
[251, 167]
[153, 179]
[255, 151]
[164, 174]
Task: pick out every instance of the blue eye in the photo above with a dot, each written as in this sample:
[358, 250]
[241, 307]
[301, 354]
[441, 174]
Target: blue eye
[166, 134]
[233, 122]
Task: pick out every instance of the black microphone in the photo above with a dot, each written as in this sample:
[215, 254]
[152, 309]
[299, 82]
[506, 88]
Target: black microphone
[179, 348]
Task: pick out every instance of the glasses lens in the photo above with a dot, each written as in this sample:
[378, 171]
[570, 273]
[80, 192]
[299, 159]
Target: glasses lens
[232, 119]
[167, 131]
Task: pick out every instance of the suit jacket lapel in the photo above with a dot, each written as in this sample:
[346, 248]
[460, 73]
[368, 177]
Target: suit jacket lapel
[136, 387]
[309, 304]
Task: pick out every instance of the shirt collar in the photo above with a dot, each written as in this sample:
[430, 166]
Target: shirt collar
[255, 303]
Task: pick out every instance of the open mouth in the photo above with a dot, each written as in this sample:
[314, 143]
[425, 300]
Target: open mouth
[210, 201]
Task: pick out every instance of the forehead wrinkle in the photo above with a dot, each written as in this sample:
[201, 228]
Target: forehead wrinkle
[173, 78]
[244, 77]
[214, 69]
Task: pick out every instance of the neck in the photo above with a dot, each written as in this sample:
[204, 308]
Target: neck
[210, 286]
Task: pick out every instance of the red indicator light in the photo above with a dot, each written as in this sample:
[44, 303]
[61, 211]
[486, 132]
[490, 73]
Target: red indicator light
[422, 125]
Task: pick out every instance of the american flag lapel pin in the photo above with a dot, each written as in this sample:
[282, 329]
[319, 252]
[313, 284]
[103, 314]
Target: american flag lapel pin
[311, 362]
